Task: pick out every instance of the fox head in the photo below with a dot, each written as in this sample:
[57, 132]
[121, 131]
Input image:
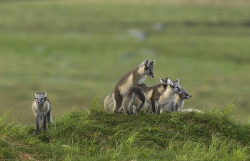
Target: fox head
[175, 86]
[184, 94]
[148, 67]
[40, 97]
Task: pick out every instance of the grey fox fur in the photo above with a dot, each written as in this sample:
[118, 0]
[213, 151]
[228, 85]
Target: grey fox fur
[167, 100]
[182, 95]
[41, 108]
[131, 79]
[143, 97]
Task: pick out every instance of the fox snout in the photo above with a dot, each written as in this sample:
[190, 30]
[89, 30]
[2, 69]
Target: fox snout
[40, 102]
[150, 74]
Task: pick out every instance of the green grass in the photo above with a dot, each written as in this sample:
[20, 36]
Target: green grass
[76, 50]
[98, 135]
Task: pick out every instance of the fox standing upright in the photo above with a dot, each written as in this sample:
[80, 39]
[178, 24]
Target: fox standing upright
[132, 78]
[41, 108]
[167, 100]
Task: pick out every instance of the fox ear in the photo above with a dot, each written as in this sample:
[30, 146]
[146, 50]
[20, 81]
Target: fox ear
[169, 82]
[147, 61]
[152, 62]
[45, 93]
[177, 81]
[36, 93]
[144, 63]
[163, 81]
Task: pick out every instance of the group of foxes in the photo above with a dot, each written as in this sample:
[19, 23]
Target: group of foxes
[132, 95]
[129, 93]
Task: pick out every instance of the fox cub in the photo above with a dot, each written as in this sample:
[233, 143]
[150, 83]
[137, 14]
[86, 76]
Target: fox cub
[41, 108]
[143, 97]
[168, 99]
[131, 79]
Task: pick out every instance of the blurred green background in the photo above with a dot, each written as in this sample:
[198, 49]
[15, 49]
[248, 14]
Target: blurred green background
[77, 50]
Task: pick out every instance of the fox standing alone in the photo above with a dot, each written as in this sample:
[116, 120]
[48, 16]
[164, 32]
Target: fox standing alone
[41, 108]
[132, 78]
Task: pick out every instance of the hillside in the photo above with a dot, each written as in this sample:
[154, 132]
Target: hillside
[78, 49]
[98, 135]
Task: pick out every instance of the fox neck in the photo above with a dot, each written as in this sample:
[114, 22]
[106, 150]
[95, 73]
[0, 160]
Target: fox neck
[178, 99]
[161, 88]
[40, 106]
[138, 76]
[169, 92]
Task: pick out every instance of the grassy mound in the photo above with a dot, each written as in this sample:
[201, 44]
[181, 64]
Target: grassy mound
[98, 135]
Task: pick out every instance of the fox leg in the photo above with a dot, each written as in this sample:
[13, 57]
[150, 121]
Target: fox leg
[172, 107]
[127, 104]
[159, 108]
[153, 105]
[37, 125]
[48, 117]
[44, 122]
[140, 105]
[118, 98]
